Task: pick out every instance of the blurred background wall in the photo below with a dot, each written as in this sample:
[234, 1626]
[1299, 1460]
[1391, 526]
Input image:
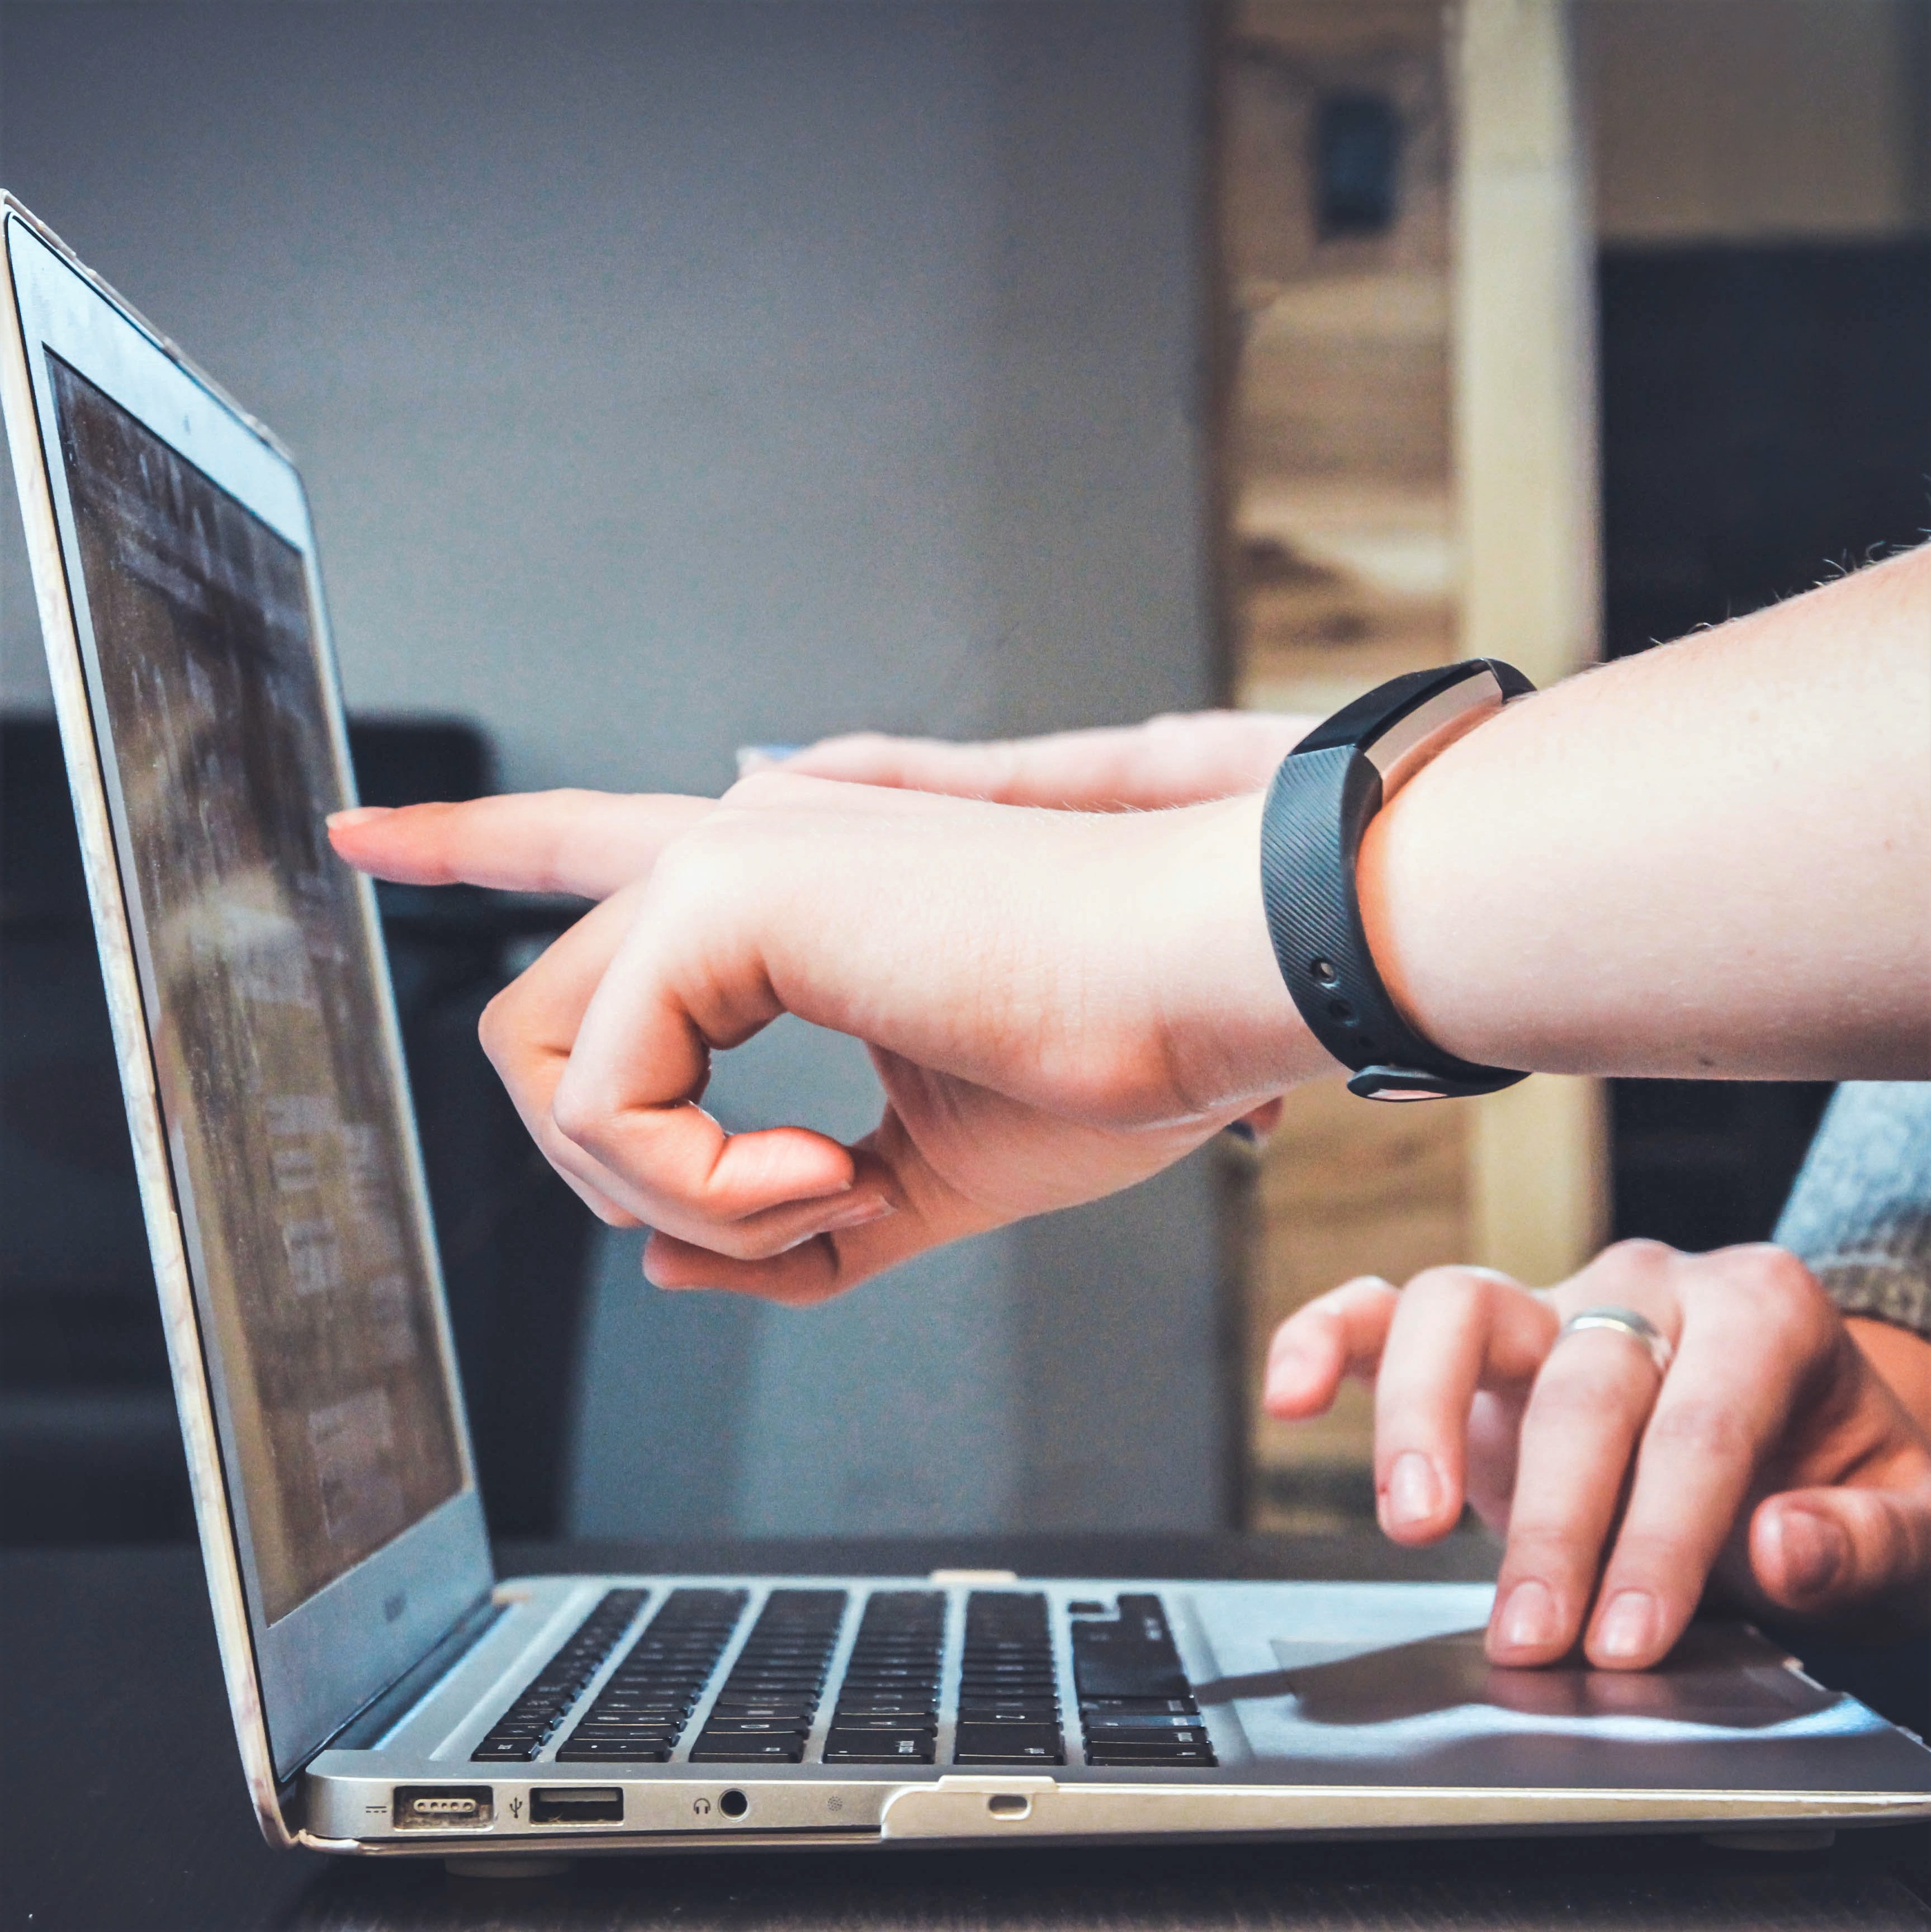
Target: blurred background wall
[669, 377]
[672, 376]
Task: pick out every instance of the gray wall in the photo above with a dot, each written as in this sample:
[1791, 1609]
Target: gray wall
[670, 377]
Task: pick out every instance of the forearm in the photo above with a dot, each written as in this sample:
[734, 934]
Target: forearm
[1714, 859]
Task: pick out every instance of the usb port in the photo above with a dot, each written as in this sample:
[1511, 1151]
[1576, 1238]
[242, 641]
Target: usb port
[576, 1805]
[422, 1807]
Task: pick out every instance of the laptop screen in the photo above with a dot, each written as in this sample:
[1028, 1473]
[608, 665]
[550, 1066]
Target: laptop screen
[290, 1151]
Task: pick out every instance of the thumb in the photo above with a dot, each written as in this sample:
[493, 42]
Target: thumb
[1831, 1550]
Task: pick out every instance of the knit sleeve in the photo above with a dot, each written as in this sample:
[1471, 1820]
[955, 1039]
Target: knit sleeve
[1860, 1214]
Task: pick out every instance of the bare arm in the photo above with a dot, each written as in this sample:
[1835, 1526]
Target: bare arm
[1714, 858]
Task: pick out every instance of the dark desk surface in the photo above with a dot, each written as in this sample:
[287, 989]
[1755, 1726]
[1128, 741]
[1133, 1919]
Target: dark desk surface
[121, 1803]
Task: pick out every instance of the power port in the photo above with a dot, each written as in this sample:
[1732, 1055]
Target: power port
[576, 1805]
[441, 1807]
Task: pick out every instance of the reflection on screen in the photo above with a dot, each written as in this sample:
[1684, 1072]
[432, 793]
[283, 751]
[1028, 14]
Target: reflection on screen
[287, 1143]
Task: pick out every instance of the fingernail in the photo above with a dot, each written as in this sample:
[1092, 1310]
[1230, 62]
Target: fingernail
[1290, 1370]
[1528, 1620]
[860, 1214]
[1628, 1628]
[1415, 1491]
[356, 815]
[1814, 1551]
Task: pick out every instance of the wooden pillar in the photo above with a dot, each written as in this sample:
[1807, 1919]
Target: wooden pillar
[1526, 496]
[1410, 477]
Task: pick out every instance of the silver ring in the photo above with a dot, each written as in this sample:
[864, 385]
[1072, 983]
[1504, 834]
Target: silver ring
[1625, 1322]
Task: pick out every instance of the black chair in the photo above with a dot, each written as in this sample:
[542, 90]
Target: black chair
[90, 1449]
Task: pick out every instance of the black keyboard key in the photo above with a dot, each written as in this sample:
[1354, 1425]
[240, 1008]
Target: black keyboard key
[538, 1709]
[1008, 1744]
[1113, 1752]
[1034, 1710]
[767, 1703]
[1131, 1655]
[1133, 1674]
[1149, 1741]
[643, 1709]
[887, 1705]
[851, 1747]
[748, 1751]
[1136, 1705]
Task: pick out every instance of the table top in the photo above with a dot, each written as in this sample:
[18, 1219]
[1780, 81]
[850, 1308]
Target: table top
[121, 1803]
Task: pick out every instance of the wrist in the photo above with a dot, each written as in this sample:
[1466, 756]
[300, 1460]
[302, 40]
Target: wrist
[1237, 1036]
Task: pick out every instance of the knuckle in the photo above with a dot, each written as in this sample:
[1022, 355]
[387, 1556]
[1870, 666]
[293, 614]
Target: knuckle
[583, 1118]
[760, 790]
[1696, 1427]
[1663, 1558]
[1459, 1289]
[1771, 1300]
[496, 1026]
[1544, 1549]
[1639, 1259]
[1775, 1279]
[1575, 1382]
[1363, 1290]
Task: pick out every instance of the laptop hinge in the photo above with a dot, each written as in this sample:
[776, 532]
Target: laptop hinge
[383, 1711]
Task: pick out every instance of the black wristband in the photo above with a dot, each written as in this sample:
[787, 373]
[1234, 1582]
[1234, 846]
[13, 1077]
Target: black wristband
[1328, 789]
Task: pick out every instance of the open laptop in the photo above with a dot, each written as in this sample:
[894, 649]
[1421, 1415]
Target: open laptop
[389, 1693]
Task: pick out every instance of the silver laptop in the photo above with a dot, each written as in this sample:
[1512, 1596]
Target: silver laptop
[390, 1693]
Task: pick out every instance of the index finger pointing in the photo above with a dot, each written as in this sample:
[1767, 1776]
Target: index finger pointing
[587, 844]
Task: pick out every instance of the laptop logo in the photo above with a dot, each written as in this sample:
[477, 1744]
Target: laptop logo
[394, 1606]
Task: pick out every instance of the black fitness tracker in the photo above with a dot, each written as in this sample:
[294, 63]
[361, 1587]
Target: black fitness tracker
[1328, 789]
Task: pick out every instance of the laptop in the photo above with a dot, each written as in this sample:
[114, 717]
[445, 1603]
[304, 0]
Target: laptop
[391, 1694]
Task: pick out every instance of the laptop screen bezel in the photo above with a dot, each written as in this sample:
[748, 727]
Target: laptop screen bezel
[317, 1665]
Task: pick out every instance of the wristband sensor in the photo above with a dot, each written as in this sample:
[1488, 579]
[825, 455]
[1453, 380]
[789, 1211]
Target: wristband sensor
[1326, 790]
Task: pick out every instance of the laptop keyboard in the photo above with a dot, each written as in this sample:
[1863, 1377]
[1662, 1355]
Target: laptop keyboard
[770, 1700]
[1136, 1705]
[525, 1728]
[888, 1707]
[640, 1713]
[1008, 1706]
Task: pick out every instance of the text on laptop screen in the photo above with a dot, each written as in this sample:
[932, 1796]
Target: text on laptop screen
[288, 1145]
